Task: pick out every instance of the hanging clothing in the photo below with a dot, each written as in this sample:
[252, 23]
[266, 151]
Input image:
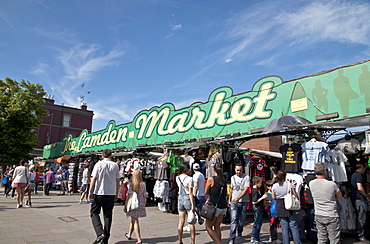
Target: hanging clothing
[335, 161]
[291, 157]
[296, 181]
[174, 162]
[161, 190]
[259, 168]
[161, 170]
[351, 146]
[313, 152]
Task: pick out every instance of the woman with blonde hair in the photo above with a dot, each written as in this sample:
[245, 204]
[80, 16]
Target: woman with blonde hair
[136, 189]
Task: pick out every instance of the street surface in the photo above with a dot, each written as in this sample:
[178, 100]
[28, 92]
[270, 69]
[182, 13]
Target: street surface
[58, 219]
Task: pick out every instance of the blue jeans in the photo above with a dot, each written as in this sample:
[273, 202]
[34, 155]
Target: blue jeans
[360, 207]
[238, 213]
[257, 223]
[199, 202]
[290, 223]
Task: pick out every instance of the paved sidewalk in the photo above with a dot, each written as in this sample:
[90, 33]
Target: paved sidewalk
[59, 219]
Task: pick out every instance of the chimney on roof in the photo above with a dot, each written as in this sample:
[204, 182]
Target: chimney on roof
[84, 106]
[49, 98]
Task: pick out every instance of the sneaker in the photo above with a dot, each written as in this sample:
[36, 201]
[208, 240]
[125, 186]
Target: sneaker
[277, 242]
[18, 206]
[252, 239]
[231, 242]
[21, 204]
[200, 221]
[99, 239]
[80, 202]
[186, 228]
[363, 239]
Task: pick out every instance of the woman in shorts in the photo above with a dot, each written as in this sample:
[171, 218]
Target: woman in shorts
[216, 189]
[185, 201]
[20, 179]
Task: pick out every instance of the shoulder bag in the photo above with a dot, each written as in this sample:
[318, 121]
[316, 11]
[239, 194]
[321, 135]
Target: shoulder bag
[5, 180]
[290, 201]
[208, 211]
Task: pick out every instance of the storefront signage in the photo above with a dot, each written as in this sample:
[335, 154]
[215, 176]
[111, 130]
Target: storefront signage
[299, 104]
[340, 90]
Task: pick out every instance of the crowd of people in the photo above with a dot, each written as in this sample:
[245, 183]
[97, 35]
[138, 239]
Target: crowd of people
[101, 187]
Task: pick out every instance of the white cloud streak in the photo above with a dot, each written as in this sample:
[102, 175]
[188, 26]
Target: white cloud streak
[258, 30]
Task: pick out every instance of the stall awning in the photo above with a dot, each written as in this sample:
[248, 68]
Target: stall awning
[338, 124]
[63, 159]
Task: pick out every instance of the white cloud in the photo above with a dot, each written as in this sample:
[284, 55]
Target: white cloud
[259, 30]
[176, 27]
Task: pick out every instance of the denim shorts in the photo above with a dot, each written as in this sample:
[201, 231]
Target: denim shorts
[184, 203]
[220, 211]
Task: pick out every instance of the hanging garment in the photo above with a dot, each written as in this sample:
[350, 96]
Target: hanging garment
[313, 152]
[161, 170]
[259, 168]
[291, 157]
[335, 161]
[351, 146]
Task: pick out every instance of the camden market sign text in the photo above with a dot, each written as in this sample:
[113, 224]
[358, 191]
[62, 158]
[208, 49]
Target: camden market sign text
[226, 113]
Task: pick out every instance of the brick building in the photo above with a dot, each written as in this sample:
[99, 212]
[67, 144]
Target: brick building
[61, 121]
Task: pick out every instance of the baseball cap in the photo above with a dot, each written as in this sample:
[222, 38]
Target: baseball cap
[196, 166]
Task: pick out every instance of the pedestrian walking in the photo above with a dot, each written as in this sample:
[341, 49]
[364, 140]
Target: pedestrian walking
[216, 189]
[238, 201]
[136, 189]
[20, 179]
[36, 171]
[288, 219]
[360, 200]
[325, 193]
[31, 186]
[258, 209]
[185, 201]
[7, 186]
[49, 178]
[103, 193]
[198, 192]
[85, 184]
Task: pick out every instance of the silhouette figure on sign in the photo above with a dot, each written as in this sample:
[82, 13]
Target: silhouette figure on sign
[364, 82]
[344, 92]
[319, 94]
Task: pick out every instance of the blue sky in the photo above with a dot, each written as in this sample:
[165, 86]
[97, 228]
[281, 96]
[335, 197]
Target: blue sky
[135, 54]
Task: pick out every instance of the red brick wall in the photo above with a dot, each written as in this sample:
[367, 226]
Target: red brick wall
[271, 144]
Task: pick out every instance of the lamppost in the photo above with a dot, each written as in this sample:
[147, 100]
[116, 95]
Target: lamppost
[51, 125]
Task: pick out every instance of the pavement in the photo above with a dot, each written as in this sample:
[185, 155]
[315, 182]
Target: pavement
[60, 219]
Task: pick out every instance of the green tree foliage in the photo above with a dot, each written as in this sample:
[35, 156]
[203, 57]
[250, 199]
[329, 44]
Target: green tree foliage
[20, 112]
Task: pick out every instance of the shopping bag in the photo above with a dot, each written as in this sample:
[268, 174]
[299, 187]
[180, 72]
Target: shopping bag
[4, 181]
[134, 201]
[192, 220]
[208, 211]
[291, 202]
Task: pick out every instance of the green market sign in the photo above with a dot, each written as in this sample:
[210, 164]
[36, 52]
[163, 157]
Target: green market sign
[344, 90]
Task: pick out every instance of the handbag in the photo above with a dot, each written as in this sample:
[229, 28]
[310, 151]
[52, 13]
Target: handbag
[134, 201]
[192, 220]
[208, 211]
[291, 202]
[4, 181]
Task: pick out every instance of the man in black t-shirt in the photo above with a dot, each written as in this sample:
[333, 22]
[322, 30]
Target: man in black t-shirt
[360, 200]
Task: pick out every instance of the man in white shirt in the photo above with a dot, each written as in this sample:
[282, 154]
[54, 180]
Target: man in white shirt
[238, 200]
[103, 193]
[198, 190]
[324, 194]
